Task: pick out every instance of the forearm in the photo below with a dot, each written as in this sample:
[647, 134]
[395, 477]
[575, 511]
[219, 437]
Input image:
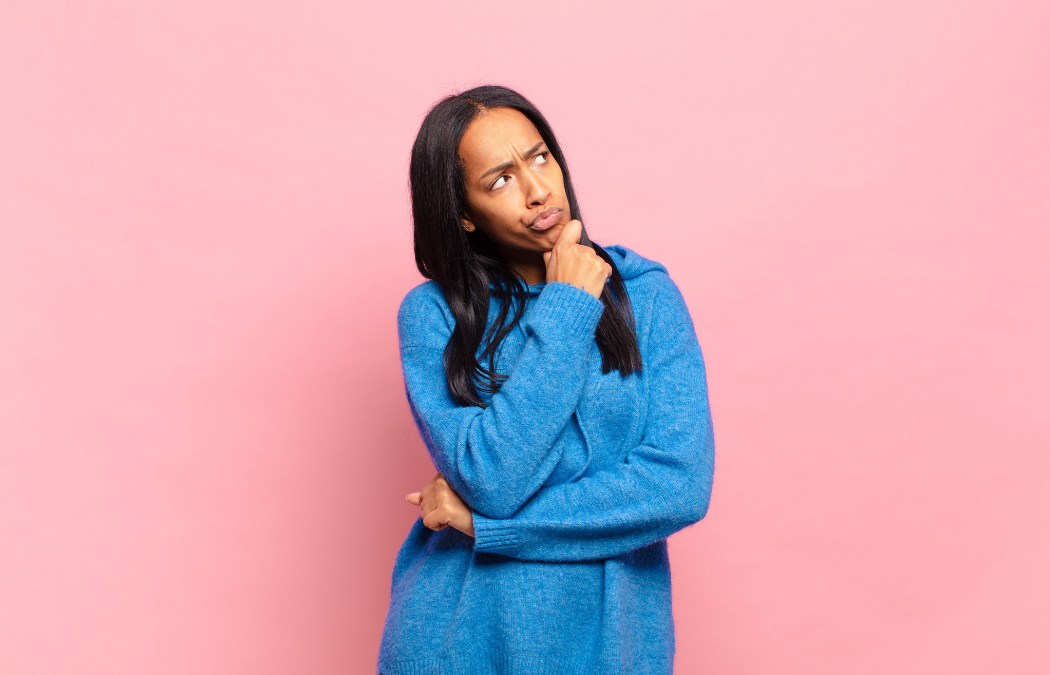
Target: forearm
[612, 512]
[664, 482]
[497, 457]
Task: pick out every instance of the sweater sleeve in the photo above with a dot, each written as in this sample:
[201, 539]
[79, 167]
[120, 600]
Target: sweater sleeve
[497, 457]
[662, 485]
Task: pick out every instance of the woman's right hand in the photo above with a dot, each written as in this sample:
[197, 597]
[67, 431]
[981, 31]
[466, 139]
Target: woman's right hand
[441, 506]
[574, 264]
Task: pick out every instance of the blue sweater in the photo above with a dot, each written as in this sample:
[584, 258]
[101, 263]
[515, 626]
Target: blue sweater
[575, 478]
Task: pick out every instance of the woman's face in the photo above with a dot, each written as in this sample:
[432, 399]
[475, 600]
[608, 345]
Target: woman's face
[515, 190]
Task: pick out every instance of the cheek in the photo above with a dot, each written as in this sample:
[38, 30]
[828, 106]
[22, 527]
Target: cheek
[506, 207]
[499, 218]
[557, 179]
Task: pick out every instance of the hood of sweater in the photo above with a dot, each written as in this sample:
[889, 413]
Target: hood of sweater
[630, 264]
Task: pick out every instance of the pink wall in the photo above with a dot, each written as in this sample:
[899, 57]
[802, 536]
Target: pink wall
[204, 236]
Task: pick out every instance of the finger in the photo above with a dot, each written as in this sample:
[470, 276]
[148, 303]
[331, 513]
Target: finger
[430, 506]
[427, 508]
[547, 258]
[428, 491]
[434, 521]
[570, 234]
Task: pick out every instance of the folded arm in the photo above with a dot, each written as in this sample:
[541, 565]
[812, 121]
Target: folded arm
[663, 485]
[497, 457]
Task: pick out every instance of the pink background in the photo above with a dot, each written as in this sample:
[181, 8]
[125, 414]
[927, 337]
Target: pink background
[204, 237]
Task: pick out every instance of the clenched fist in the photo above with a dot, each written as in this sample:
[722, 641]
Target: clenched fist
[441, 507]
[574, 264]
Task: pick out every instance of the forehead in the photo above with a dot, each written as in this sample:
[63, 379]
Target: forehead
[494, 136]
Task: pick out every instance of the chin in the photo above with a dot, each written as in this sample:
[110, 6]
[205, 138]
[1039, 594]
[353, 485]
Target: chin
[551, 235]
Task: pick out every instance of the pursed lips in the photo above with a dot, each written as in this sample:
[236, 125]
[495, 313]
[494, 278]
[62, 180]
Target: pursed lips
[546, 219]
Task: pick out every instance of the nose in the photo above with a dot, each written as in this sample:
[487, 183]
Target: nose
[537, 190]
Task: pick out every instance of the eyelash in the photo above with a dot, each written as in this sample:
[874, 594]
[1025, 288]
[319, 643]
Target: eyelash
[546, 156]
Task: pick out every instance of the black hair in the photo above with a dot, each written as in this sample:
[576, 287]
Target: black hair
[465, 264]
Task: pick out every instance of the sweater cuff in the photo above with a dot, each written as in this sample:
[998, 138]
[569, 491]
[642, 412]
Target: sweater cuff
[496, 536]
[572, 309]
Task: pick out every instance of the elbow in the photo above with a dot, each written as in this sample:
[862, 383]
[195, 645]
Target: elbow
[496, 509]
[696, 497]
[498, 490]
[698, 509]
[497, 503]
[692, 505]
[490, 498]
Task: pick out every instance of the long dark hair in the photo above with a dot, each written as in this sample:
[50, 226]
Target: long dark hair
[467, 266]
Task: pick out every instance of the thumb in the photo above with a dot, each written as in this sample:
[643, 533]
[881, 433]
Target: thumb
[571, 233]
[547, 258]
[413, 498]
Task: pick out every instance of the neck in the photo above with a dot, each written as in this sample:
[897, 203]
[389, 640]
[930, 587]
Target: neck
[529, 266]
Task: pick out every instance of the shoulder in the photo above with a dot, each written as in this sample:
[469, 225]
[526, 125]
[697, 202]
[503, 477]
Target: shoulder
[658, 304]
[631, 263]
[424, 317]
[648, 282]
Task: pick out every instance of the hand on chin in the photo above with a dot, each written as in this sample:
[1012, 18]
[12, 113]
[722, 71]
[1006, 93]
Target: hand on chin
[551, 235]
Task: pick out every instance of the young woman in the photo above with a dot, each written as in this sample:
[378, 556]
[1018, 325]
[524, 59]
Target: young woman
[560, 390]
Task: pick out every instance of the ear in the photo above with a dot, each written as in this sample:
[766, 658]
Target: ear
[467, 225]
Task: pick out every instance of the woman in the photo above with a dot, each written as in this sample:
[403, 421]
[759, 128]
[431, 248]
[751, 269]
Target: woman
[561, 393]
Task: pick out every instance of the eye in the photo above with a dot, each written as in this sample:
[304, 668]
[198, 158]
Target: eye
[500, 182]
[542, 157]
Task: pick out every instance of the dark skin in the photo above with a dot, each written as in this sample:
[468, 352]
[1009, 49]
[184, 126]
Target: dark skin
[511, 179]
[512, 182]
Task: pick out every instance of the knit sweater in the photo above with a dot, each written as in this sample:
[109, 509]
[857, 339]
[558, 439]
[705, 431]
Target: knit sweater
[575, 479]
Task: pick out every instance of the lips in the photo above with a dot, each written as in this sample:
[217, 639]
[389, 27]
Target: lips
[546, 219]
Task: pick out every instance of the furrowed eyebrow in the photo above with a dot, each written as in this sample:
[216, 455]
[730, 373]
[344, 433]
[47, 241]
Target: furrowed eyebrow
[496, 169]
[533, 149]
[509, 163]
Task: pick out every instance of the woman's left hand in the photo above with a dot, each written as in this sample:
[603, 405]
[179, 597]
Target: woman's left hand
[441, 507]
